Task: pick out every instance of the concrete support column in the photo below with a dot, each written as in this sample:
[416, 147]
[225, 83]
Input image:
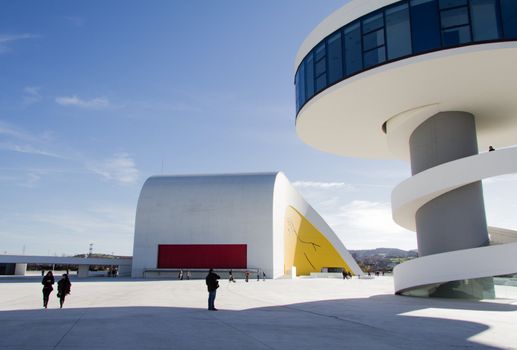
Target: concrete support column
[20, 269]
[455, 220]
[82, 271]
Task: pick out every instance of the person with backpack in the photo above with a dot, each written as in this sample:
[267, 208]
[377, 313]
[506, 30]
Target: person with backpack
[212, 284]
[63, 289]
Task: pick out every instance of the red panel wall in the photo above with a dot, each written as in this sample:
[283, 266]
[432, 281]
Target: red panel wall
[202, 256]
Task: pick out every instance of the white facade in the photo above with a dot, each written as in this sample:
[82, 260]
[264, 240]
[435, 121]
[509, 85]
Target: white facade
[222, 209]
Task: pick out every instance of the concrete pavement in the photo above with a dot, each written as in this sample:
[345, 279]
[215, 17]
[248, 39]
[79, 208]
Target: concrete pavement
[281, 314]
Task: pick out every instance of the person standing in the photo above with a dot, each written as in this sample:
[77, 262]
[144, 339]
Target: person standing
[47, 282]
[263, 276]
[212, 284]
[230, 276]
[63, 288]
[247, 276]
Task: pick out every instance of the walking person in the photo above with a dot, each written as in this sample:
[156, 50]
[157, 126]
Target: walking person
[63, 288]
[263, 276]
[212, 284]
[188, 275]
[230, 278]
[247, 276]
[180, 275]
[47, 282]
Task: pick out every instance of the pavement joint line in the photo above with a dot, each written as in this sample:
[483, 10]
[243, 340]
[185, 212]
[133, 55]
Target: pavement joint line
[70, 329]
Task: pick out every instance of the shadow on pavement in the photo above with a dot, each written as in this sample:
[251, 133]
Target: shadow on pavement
[368, 323]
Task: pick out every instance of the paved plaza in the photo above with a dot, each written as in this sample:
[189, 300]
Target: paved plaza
[105, 313]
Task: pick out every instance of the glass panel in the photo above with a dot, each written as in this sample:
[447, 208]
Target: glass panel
[445, 4]
[456, 36]
[334, 58]
[320, 51]
[425, 25]
[321, 82]
[483, 15]
[373, 39]
[297, 89]
[320, 68]
[398, 32]
[302, 84]
[455, 17]
[309, 77]
[353, 49]
[374, 57]
[373, 22]
[509, 11]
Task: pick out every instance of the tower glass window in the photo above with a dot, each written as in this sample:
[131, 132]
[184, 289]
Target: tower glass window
[334, 58]
[353, 49]
[485, 22]
[425, 25]
[398, 32]
[509, 14]
[402, 29]
[309, 77]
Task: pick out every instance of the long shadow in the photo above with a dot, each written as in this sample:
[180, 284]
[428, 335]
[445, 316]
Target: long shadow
[367, 323]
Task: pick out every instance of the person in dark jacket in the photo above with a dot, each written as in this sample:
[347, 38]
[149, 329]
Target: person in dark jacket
[63, 288]
[47, 282]
[212, 285]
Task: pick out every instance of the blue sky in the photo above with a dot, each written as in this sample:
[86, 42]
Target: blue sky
[97, 96]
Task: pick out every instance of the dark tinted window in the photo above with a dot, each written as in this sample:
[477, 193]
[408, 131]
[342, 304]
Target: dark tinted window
[509, 12]
[373, 57]
[373, 39]
[301, 88]
[455, 17]
[456, 36]
[353, 49]
[309, 77]
[425, 23]
[451, 3]
[484, 21]
[320, 70]
[373, 22]
[398, 31]
[334, 58]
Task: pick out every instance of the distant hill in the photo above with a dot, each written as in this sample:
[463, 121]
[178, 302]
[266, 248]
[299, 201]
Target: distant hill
[382, 259]
[386, 252]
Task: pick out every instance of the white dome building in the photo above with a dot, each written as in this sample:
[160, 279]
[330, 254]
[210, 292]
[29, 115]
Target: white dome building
[238, 221]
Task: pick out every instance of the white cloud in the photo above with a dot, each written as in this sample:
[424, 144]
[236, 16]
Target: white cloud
[74, 101]
[27, 149]
[7, 39]
[31, 95]
[120, 168]
[323, 185]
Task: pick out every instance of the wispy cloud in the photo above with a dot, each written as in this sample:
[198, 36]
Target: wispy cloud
[323, 185]
[76, 21]
[7, 39]
[74, 101]
[28, 149]
[31, 95]
[120, 168]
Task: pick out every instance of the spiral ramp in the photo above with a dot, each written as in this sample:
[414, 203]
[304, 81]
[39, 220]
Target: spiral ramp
[428, 272]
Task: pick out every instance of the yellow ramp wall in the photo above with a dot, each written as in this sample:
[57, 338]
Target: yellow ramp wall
[306, 247]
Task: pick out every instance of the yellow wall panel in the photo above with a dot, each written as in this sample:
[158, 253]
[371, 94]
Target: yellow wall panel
[306, 247]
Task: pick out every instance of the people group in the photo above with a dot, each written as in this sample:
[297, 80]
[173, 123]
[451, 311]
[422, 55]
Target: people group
[63, 288]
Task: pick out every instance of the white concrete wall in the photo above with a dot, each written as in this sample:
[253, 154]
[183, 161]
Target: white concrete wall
[211, 209]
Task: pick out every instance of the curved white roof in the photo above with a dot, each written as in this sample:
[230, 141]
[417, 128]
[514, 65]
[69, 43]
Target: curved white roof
[348, 118]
